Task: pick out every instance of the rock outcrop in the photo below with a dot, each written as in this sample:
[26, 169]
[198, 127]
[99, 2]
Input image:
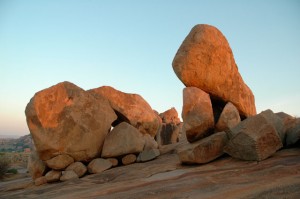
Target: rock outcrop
[65, 119]
[205, 60]
[205, 150]
[131, 108]
[197, 114]
[123, 139]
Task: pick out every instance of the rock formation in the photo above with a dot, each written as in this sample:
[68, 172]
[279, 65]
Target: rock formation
[205, 60]
[131, 108]
[170, 116]
[65, 119]
[197, 114]
[229, 118]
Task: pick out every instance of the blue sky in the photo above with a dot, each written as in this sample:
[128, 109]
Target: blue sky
[130, 45]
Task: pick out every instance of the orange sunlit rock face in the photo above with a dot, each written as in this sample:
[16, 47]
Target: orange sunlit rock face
[65, 119]
[205, 60]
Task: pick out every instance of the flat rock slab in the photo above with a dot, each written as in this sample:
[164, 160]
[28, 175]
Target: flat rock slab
[165, 177]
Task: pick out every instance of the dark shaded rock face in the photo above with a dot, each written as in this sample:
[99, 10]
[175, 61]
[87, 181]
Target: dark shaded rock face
[168, 134]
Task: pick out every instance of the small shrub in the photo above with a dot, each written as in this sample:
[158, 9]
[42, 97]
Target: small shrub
[13, 171]
[4, 164]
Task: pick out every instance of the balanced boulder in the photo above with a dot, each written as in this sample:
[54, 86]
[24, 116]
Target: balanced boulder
[131, 108]
[123, 139]
[197, 114]
[66, 119]
[205, 60]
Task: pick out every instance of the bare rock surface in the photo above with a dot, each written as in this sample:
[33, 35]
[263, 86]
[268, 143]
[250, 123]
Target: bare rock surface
[150, 142]
[197, 114]
[148, 155]
[205, 150]
[205, 60]
[170, 116]
[123, 139]
[59, 162]
[99, 165]
[276, 177]
[131, 108]
[229, 118]
[66, 119]
[78, 167]
[40, 181]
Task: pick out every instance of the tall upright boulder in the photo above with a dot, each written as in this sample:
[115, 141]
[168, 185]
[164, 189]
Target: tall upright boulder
[205, 60]
[131, 108]
[65, 119]
[197, 114]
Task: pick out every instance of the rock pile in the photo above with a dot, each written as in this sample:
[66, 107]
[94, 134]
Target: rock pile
[215, 100]
[77, 132]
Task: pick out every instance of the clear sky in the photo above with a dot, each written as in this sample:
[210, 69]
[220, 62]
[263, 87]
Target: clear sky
[130, 45]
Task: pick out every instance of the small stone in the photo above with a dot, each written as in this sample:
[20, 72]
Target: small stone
[53, 176]
[148, 155]
[60, 162]
[68, 175]
[99, 165]
[129, 159]
[114, 161]
[78, 167]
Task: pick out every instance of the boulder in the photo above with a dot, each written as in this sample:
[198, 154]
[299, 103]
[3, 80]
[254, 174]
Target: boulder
[150, 142]
[129, 159]
[60, 162]
[68, 175]
[78, 167]
[40, 181]
[293, 133]
[66, 119]
[205, 150]
[123, 139]
[276, 122]
[205, 60]
[36, 166]
[229, 118]
[168, 134]
[53, 176]
[99, 165]
[287, 120]
[148, 155]
[114, 161]
[255, 138]
[131, 108]
[170, 116]
[197, 114]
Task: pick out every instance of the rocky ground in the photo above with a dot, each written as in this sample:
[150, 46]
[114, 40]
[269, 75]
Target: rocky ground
[275, 177]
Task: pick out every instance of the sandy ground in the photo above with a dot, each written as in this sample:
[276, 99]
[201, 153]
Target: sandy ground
[165, 177]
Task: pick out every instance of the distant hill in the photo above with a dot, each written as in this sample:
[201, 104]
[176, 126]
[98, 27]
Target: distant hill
[16, 145]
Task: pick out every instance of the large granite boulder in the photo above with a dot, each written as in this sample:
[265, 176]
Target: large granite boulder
[205, 60]
[66, 119]
[197, 114]
[170, 116]
[205, 150]
[131, 108]
[255, 138]
[123, 139]
[229, 118]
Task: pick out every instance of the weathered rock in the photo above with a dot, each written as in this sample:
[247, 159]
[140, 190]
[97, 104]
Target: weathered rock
[78, 167]
[40, 181]
[205, 150]
[53, 176]
[66, 119]
[205, 60]
[68, 175]
[148, 155]
[170, 116]
[150, 142]
[60, 162]
[131, 108]
[114, 161]
[129, 159]
[229, 118]
[276, 122]
[293, 133]
[123, 139]
[287, 121]
[36, 167]
[253, 139]
[99, 165]
[168, 134]
[197, 114]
